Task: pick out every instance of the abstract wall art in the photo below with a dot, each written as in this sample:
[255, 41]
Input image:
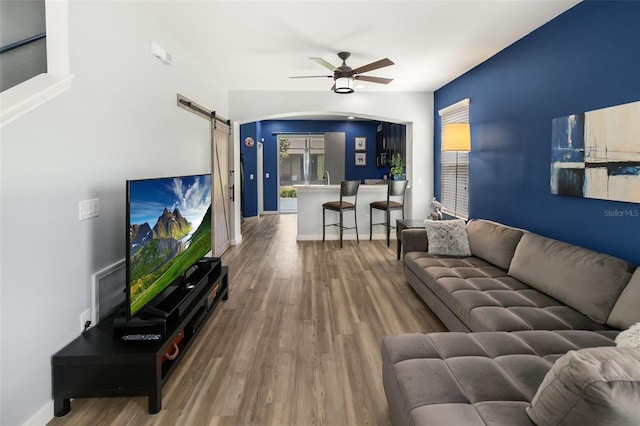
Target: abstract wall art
[596, 154]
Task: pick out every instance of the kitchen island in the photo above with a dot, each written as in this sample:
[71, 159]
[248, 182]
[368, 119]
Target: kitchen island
[311, 198]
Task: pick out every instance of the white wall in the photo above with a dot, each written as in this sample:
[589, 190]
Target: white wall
[413, 109]
[118, 121]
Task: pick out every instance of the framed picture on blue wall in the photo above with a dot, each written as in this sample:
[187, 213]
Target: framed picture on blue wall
[361, 159]
[596, 154]
[360, 143]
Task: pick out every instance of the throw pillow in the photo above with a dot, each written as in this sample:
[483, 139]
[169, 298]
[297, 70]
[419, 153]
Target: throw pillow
[447, 237]
[629, 338]
[595, 386]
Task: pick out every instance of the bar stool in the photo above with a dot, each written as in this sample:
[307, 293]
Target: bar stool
[395, 188]
[349, 189]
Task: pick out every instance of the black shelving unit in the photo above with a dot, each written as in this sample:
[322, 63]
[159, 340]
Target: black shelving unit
[97, 365]
[390, 140]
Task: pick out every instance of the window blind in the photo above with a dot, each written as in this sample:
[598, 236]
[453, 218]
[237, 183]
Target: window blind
[454, 166]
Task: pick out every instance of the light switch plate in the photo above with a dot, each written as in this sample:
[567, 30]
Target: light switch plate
[89, 208]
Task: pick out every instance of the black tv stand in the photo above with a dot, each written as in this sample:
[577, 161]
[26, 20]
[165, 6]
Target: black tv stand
[97, 365]
[150, 311]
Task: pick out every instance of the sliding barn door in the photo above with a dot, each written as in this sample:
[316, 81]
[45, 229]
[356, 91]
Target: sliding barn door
[221, 232]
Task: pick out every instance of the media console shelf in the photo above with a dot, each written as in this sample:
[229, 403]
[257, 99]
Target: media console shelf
[98, 365]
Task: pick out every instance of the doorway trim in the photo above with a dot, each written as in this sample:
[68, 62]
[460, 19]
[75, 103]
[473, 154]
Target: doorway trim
[259, 177]
[236, 226]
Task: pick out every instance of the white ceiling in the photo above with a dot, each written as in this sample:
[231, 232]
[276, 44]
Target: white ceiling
[257, 45]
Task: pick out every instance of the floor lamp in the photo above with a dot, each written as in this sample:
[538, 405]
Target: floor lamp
[456, 137]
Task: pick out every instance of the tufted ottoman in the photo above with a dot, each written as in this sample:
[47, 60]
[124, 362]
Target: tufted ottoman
[484, 378]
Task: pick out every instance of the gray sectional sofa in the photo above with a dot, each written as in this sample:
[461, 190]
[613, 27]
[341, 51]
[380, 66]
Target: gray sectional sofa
[515, 305]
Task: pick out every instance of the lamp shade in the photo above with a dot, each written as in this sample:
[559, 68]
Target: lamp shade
[456, 137]
[344, 85]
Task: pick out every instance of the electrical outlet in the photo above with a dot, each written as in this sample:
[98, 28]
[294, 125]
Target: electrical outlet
[84, 317]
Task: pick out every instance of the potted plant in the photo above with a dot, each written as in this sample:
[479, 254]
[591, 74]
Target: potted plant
[284, 148]
[397, 167]
[288, 200]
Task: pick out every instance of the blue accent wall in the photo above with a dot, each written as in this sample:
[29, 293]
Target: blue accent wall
[587, 58]
[268, 129]
[249, 157]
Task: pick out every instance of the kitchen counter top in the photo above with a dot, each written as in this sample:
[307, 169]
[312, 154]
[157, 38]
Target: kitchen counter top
[311, 198]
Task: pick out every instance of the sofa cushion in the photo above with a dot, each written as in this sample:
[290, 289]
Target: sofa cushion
[447, 237]
[587, 281]
[625, 312]
[493, 241]
[590, 386]
[472, 378]
[485, 298]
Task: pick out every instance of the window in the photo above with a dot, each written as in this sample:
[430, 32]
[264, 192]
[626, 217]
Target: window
[300, 153]
[43, 86]
[23, 47]
[454, 165]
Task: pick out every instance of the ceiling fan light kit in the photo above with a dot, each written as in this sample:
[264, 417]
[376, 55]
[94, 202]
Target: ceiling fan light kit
[344, 85]
[344, 75]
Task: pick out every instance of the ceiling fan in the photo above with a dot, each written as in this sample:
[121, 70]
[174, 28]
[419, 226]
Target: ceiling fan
[344, 75]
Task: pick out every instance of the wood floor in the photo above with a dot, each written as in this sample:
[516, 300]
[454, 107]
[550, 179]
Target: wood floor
[297, 343]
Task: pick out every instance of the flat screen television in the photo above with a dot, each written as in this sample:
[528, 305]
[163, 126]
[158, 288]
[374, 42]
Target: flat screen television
[168, 231]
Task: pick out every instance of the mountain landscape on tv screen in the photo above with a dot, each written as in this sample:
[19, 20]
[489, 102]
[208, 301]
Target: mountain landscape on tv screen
[160, 254]
[163, 253]
[171, 225]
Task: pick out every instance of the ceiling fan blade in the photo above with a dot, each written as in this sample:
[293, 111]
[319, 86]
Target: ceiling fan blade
[380, 80]
[312, 76]
[324, 63]
[333, 87]
[373, 66]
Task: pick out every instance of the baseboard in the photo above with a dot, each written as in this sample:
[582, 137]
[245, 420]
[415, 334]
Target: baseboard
[43, 416]
[237, 240]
